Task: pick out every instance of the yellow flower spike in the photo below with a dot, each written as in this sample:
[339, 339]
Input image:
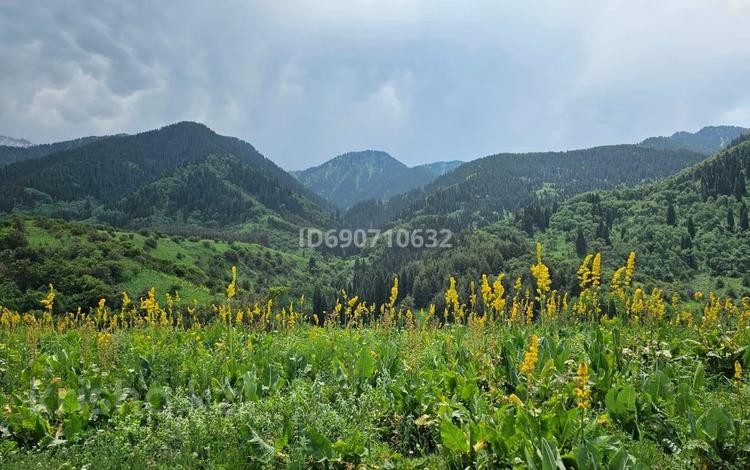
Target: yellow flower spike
[582, 391]
[629, 269]
[530, 357]
[232, 287]
[737, 371]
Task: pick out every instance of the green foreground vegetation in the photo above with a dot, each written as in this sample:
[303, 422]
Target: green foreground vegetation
[614, 379]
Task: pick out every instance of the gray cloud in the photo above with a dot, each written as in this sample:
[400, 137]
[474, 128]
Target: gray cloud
[423, 79]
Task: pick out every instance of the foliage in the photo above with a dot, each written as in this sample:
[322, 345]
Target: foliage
[650, 384]
[87, 263]
[182, 175]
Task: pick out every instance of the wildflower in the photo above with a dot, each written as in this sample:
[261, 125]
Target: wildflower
[617, 283]
[629, 269]
[451, 295]
[584, 273]
[582, 390]
[498, 303]
[353, 301]
[49, 300]
[551, 310]
[637, 305]
[517, 286]
[656, 305]
[531, 356]
[125, 301]
[596, 270]
[737, 371]
[232, 287]
[394, 293]
[541, 273]
[486, 291]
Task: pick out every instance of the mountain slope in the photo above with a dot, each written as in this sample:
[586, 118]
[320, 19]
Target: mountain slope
[485, 190]
[180, 175]
[6, 141]
[12, 154]
[441, 168]
[358, 176]
[708, 140]
[680, 229]
[689, 228]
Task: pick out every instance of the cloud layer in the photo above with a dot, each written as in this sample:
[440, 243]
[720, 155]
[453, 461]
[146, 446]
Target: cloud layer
[423, 79]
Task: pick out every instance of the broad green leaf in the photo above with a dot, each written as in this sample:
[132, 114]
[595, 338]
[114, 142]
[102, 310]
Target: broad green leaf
[453, 437]
[551, 459]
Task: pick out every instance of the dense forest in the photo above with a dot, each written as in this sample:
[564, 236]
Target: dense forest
[690, 231]
[10, 155]
[181, 176]
[484, 191]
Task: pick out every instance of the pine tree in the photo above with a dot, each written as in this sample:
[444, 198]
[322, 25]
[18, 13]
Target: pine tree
[744, 225]
[691, 227]
[739, 186]
[730, 219]
[671, 215]
[580, 243]
[318, 304]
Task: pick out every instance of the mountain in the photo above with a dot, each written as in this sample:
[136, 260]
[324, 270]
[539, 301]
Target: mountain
[12, 154]
[357, 176]
[441, 168]
[488, 189]
[6, 141]
[690, 232]
[179, 177]
[708, 140]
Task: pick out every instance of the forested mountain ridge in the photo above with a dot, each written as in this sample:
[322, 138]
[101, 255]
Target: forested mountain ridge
[708, 140]
[12, 154]
[183, 174]
[354, 177]
[441, 168]
[6, 141]
[483, 191]
[689, 231]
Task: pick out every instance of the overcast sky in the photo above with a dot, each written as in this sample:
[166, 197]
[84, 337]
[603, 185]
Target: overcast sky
[424, 80]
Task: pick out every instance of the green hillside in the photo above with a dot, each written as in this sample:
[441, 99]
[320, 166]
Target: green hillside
[182, 178]
[86, 263]
[486, 190]
[680, 228]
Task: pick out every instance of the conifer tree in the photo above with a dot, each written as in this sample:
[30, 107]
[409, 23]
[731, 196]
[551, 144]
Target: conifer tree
[671, 215]
[580, 243]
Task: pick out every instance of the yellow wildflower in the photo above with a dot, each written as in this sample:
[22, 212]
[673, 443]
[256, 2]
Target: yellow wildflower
[530, 357]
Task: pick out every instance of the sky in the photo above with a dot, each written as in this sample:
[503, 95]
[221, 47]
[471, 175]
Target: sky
[425, 80]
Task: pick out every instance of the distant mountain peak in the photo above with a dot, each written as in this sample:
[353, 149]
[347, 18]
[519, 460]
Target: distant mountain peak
[14, 142]
[708, 140]
[357, 176]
